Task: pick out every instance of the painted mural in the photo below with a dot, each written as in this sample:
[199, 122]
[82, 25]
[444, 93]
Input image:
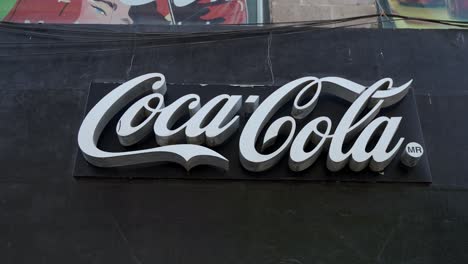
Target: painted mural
[431, 9]
[129, 11]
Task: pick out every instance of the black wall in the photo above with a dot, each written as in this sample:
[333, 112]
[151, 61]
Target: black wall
[48, 216]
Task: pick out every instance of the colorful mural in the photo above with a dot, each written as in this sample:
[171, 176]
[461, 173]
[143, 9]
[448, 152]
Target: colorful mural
[129, 11]
[431, 9]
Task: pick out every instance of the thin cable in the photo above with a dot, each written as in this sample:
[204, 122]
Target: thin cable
[123, 36]
[127, 49]
[189, 37]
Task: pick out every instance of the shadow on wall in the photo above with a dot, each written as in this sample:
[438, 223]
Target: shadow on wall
[126, 11]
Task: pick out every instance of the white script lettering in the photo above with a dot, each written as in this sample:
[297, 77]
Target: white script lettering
[215, 122]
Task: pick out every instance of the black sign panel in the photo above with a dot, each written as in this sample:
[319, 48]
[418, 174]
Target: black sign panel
[329, 106]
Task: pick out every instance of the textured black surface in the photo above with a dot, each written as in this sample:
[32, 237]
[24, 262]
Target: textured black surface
[47, 216]
[328, 105]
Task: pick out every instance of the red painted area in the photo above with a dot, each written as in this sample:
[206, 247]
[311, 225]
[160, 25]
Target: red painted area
[46, 11]
[82, 11]
[233, 12]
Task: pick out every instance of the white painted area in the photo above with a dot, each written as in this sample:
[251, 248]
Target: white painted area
[136, 2]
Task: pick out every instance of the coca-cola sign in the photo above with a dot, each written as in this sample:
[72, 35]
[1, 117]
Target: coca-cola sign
[190, 132]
